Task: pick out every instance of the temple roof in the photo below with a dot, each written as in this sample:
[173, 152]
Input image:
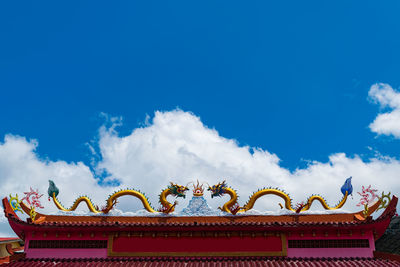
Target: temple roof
[224, 221]
[231, 221]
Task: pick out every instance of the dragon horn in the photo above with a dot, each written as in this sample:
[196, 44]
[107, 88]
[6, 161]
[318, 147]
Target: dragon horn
[189, 184]
[205, 183]
[222, 183]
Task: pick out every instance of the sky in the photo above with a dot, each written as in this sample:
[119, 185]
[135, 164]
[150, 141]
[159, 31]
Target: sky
[137, 94]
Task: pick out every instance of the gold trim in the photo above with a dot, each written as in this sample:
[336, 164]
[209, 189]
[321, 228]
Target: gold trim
[111, 253]
[110, 244]
[284, 245]
[196, 254]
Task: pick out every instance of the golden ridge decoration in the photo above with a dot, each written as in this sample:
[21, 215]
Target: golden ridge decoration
[232, 206]
[173, 189]
[15, 203]
[385, 200]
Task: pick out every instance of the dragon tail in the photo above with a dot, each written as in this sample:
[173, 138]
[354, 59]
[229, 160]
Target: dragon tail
[321, 200]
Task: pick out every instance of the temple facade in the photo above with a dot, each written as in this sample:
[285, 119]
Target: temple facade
[199, 235]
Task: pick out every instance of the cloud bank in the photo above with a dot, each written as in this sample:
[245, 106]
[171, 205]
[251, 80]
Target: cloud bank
[387, 123]
[176, 146]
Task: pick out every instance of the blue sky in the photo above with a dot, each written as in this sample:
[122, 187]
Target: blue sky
[291, 78]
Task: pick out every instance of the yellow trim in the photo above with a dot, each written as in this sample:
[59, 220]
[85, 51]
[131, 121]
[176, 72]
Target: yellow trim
[195, 254]
[110, 245]
[284, 245]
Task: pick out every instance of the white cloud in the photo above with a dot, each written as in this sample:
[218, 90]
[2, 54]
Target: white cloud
[176, 146]
[387, 123]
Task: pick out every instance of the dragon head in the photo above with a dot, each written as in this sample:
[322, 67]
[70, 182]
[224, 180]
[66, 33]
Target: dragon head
[178, 190]
[218, 189]
[52, 189]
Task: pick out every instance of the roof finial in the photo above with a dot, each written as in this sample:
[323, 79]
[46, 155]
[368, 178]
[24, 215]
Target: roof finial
[198, 189]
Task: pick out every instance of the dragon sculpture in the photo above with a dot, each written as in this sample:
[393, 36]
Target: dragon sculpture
[232, 206]
[167, 207]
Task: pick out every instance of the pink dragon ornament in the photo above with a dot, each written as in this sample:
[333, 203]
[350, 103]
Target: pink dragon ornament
[368, 195]
[32, 198]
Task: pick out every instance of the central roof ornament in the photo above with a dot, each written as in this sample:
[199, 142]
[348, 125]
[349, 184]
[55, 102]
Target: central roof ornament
[198, 189]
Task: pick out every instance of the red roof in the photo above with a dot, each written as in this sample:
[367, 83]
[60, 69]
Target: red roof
[207, 262]
[287, 221]
[190, 220]
[179, 222]
[202, 223]
[295, 220]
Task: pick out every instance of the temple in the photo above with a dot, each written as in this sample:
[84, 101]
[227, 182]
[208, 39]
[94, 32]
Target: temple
[198, 234]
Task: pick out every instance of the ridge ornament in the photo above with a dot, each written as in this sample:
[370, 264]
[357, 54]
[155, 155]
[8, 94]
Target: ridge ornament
[173, 189]
[232, 206]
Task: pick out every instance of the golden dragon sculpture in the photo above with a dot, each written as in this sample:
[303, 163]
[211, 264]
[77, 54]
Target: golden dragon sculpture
[167, 207]
[232, 206]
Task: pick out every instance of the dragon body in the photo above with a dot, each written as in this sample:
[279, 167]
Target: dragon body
[232, 206]
[167, 207]
[172, 189]
[232, 202]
